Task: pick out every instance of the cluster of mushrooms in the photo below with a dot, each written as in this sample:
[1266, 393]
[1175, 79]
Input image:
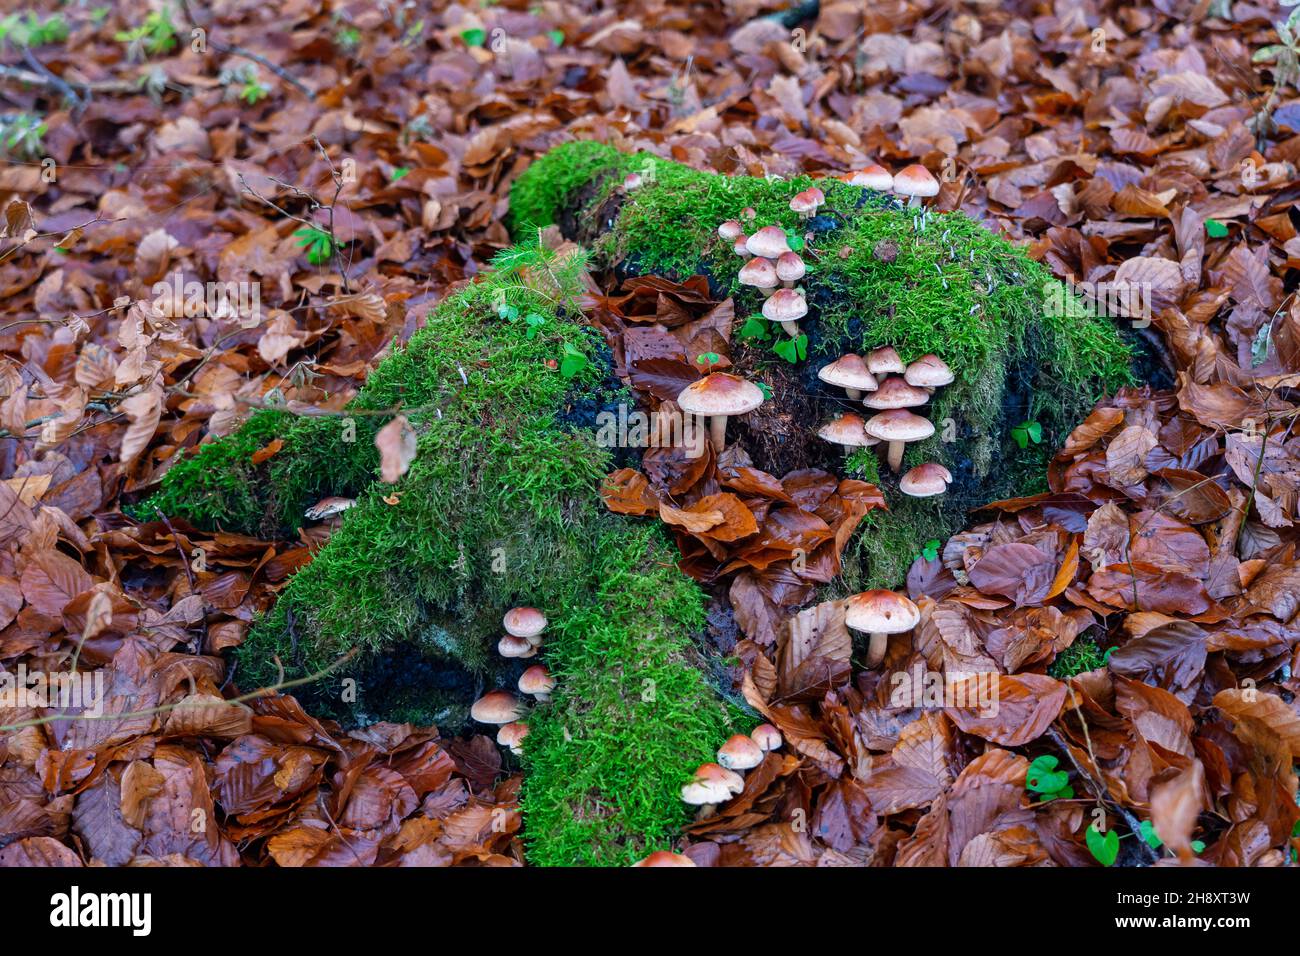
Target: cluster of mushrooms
[915, 182]
[714, 783]
[892, 389]
[523, 638]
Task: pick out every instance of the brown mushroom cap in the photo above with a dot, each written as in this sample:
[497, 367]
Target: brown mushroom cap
[881, 612]
[769, 242]
[849, 430]
[767, 737]
[925, 481]
[759, 272]
[740, 753]
[731, 229]
[896, 393]
[740, 246]
[790, 268]
[536, 680]
[929, 371]
[898, 424]
[712, 784]
[496, 707]
[848, 371]
[632, 181]
[874, 176]
[512, 735]
[720, 394]
[808, 200]
[512, 646]
[524, 622]
[915, 180]
[885, 361]
[665, 858]
[785, 305]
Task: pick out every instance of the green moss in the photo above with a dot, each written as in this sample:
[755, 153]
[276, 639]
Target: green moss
[1081, 656]
[1021, 347]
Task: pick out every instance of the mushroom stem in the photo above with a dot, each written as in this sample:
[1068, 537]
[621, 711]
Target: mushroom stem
[876, 649]
[854, 393]
[791, 327]
[767, 293]
[718, 432]
[895, 455]
[913, 202]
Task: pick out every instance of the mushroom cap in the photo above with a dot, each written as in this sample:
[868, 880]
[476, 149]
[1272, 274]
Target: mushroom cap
[712, 784]
[769, 242]
[885, 361]
[720, 394]
[512, 735]
[848, 371]
[767, 737]
[741, 245]
[915, 180]
[758, 272]
[536, 680]
[524, 622]
[731, 229]
[808, 200]
[898, 424]
[925, 480]
[790, 268]
[665, 858]
[512, 646]
[881, 612]
[874, 176]
[848, 429]
[496, 707]
[632, 181]
[894, 392]
[929, 371]
[740, 753]
[785, 305]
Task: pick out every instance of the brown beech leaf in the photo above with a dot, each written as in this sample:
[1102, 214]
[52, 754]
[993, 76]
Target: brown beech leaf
[627, 492]
[1145, 587]
[1268, 709]
[52, 579]
[397, 446]
[1024, 707]
[1019, 571]
[814, 656]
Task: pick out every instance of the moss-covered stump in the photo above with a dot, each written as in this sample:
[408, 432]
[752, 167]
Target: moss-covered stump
[877, 276]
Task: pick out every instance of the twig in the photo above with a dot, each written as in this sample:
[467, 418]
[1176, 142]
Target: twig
[234, 49]
[58, 82]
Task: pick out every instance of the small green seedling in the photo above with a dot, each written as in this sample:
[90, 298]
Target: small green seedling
[318, 243]
[1044, 778]
[557, 37]
[534, 321]
[254, 91]
[930, 550]
[474, 37]
[348, 39]
[1284, 56]
[766, 390]
[156, 35]
[573, 361]
[22, 134]
[30, 30]
[1027, 432]
[1215, 229]
[792, 350]
[756, 328]
[1148, 833]
[794, 239]
[706, 360]
[398, 172]
[1104, 847]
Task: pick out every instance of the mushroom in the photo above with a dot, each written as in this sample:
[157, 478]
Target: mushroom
[512, 735]
[786, 306]
[537, 682]
[631, 181]
[512, 646]
[925, 481]
[328, 508]
[847, 431]
[894, 392]
[769, 242]
[718, 396]
[850, 373]
[915, 182]
[759, 273]
[885, 361]
[748, 213]
[790, 269]
[741, 246]
[712, 784]
[929, 371]
[874, 176]
[880, 613]
[730, 230]
[898, 426]
[806, 202]
[767, 737]
[665, 858]
[496, 707]
[740, 753]
[526, 622]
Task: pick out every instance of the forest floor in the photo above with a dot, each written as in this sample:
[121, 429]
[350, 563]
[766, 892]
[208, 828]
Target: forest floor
[352, 165]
